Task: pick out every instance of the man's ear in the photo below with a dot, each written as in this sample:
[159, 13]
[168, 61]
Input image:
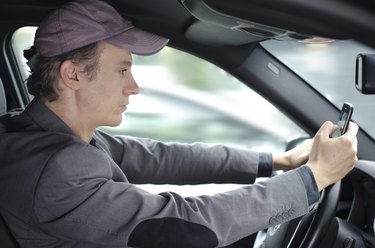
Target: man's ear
[69, 75]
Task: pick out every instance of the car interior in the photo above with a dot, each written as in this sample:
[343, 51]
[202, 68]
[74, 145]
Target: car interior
[228, 34]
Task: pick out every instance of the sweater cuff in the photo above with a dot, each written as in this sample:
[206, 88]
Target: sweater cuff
[265, 165]
[310, 184]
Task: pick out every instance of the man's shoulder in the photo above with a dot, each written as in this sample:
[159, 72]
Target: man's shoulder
[34, 144]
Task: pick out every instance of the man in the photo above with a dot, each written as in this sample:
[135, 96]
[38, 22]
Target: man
[71, 186]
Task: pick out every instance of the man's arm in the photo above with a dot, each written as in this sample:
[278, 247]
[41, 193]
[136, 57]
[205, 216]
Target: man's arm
[150, 161]
[82, 196]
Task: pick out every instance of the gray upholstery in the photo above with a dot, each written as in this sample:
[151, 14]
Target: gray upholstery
[6, 238]
[3, 102]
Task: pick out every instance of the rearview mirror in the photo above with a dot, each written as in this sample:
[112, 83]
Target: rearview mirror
[365, 73]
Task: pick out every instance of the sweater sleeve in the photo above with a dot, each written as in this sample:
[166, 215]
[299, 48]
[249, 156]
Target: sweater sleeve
[78, 198]
[149, 161]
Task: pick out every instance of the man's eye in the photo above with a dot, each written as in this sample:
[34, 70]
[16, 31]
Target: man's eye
[124, 70]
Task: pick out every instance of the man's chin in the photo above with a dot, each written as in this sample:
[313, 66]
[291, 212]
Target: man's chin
[114, 123]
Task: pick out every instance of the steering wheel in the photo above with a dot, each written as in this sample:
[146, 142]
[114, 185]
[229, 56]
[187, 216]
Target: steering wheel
[307, 231]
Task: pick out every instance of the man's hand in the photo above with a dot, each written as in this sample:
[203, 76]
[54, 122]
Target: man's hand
[293, 158]
[331, 159]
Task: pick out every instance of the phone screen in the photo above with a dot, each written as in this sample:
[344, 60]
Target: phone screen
[344, 119]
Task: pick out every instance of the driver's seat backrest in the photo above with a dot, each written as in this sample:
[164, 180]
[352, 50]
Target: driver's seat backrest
[6, 238]
[3, 101]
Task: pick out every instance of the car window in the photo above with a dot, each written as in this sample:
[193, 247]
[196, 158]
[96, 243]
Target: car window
[186, 99]
[330, 69]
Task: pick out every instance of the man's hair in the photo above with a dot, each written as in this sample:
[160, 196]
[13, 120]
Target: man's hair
[42, 82]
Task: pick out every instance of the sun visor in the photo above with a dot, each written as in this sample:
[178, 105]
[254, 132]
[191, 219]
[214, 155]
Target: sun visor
[216, 35]
[228, 30]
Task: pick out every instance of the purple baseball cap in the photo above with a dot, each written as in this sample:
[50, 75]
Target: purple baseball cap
[84, 22]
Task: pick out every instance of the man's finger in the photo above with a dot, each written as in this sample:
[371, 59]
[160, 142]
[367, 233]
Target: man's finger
[326, 129]
[352, 131]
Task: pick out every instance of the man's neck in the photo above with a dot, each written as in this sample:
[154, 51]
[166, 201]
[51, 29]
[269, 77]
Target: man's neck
[72, 117]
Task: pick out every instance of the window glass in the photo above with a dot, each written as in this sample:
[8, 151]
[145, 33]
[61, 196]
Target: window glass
[23, 39]
[186, 99]
[330, 69]
[183, 98]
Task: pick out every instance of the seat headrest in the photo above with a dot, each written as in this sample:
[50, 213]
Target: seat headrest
[3, 100]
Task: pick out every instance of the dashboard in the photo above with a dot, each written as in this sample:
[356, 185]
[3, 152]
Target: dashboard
[355, 216]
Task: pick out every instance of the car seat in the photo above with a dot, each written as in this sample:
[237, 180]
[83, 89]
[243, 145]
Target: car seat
[6, 238]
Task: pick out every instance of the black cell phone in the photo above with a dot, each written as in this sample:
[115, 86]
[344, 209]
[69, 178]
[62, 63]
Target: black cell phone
[344, 119]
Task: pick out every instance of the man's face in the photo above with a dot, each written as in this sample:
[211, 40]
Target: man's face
[105, 97]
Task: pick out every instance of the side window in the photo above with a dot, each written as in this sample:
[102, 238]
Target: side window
[22, 39]
[184, 98]
[187, 99]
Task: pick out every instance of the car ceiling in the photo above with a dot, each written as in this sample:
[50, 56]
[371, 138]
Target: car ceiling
[190, 23]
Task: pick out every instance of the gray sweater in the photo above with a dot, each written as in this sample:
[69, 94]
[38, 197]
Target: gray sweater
[58, 191]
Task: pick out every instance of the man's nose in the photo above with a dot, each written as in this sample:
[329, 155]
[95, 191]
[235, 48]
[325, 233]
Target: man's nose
[132, 87]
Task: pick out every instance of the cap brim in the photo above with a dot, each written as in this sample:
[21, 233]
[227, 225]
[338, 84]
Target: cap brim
[138, 41]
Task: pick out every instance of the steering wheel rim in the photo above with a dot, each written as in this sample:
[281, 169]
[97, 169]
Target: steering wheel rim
[319, 225]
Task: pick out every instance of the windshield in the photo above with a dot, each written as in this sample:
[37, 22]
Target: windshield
[330, 69]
